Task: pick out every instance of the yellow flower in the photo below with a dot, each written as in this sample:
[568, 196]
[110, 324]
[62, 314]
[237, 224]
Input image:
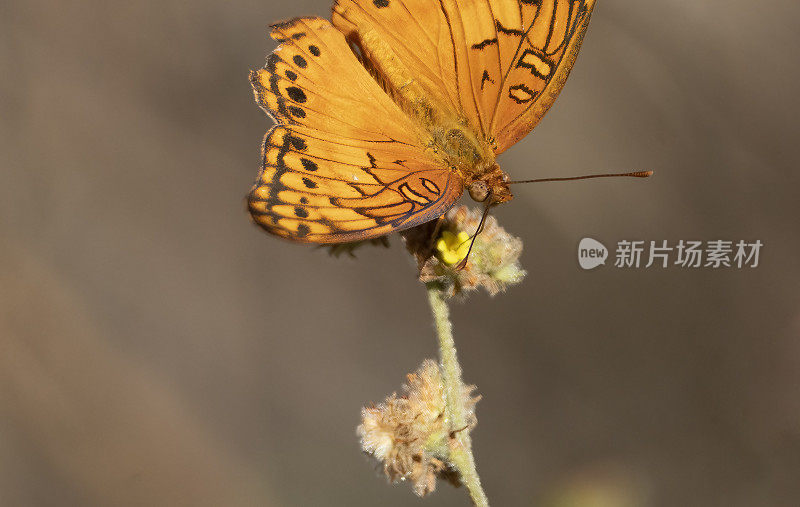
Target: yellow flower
[493, 263]
[452, 248]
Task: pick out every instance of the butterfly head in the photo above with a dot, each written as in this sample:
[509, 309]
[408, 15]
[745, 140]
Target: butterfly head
[490, 187]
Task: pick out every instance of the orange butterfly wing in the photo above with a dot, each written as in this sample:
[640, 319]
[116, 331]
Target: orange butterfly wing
[546, 50]
[408, 45]
[498, 64]
[344, 162]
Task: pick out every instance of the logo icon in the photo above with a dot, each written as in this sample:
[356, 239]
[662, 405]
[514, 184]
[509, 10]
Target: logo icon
[591, 253]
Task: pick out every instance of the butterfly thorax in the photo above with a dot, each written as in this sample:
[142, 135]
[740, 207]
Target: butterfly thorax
[473, 160]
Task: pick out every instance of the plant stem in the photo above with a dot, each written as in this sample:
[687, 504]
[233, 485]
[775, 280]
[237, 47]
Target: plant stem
[460, 444]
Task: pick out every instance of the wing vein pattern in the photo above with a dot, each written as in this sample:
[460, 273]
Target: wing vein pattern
[498, 70]
[343, 162]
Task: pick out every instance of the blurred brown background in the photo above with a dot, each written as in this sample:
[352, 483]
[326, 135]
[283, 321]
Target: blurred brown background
[158, 349]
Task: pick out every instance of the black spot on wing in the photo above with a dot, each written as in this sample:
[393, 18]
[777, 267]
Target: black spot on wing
[309, 165]
[300, 212]
[300, 61]
[296, 142]
[304, 200]
[302, 231]
[485, 78]
[296, 94]
[291, 75]
[314, 50]
[380, 4]
[296, 111]
[308, 183]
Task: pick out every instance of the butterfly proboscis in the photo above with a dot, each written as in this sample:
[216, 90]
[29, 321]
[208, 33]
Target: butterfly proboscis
[480, 193]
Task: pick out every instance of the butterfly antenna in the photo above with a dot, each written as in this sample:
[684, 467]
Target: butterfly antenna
[637, 174]
[489, 201]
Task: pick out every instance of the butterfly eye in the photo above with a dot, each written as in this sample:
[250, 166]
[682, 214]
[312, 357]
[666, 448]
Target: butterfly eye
[479, 191]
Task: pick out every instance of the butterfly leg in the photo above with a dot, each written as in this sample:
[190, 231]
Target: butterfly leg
[461, 265]
[435, 234]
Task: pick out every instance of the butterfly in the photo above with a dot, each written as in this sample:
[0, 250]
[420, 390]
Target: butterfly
[386, 114]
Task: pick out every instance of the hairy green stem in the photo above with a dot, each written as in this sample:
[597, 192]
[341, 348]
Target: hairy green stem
[460, 444]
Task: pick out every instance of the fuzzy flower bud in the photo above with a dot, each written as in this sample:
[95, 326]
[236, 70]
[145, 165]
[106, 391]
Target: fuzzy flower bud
[493, 263]
[410, 435]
